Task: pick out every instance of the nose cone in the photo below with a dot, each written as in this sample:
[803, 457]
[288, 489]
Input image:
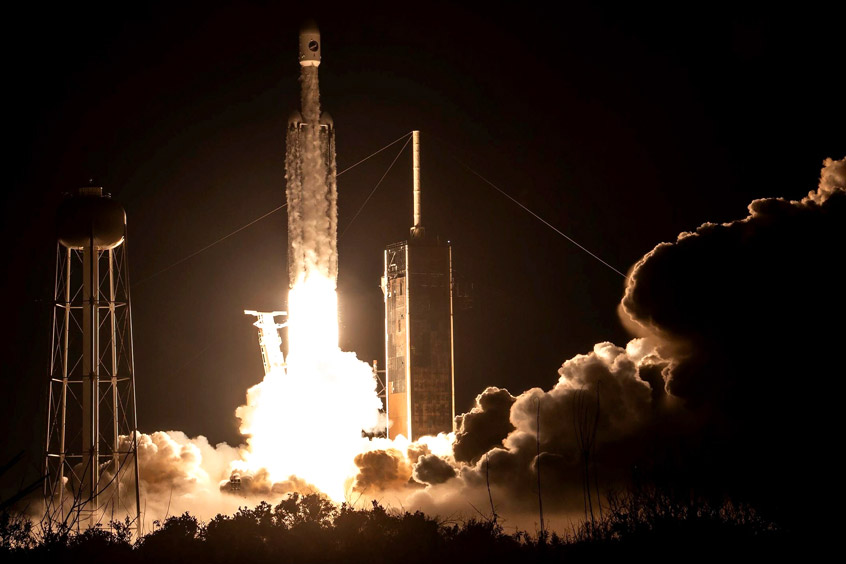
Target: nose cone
[309, 44]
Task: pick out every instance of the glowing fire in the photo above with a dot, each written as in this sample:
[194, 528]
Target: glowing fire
[312, 318]
[306, 421]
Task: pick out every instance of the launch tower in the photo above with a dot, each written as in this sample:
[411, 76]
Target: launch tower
[417, 286]
[91, 445]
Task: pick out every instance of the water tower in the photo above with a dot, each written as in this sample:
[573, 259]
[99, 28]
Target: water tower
[91, 444]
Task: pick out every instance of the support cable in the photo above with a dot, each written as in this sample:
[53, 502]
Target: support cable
[374, 154]
[209, 246]
[405, 136]
[271, 212]
[375, 188]
[536, 216]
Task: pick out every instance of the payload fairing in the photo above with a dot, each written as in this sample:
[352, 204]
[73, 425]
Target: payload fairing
[309, 45]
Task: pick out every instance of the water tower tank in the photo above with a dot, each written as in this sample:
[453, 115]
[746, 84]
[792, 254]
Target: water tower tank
[91, 215]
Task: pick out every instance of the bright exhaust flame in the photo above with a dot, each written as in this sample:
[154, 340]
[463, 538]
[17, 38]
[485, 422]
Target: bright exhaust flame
[306, 421]
[312, 317]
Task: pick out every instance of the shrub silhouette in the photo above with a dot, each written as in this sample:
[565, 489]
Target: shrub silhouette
[179, 539]
[645, 521]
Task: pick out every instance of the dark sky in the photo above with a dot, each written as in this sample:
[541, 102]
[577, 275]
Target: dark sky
[620, 127]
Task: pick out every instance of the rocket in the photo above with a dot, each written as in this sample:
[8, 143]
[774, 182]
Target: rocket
[309, 44]
[311, 189]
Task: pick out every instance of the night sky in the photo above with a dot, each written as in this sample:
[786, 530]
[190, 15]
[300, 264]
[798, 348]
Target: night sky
[620, 127]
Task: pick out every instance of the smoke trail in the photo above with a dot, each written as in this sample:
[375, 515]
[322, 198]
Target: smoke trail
[311, 190]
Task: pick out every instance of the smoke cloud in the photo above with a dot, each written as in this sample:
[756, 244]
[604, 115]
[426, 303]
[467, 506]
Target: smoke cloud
[739, 323]
[750, 313]
[433, 470]
[172, 462]
[832, 181]
[602, 391]
[485, 426]
[380, 470]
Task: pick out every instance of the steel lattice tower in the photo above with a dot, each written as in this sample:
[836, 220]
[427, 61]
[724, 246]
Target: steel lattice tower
[418, 290]
[91, 457]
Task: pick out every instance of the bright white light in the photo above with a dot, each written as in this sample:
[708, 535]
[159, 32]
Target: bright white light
[306, 421]
[312, 317]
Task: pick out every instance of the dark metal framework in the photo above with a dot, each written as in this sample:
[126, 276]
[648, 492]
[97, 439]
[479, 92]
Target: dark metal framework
[91, 458]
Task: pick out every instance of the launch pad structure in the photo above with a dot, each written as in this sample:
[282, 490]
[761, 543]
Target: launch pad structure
[268, 334]
[418, 289]
[91, 460]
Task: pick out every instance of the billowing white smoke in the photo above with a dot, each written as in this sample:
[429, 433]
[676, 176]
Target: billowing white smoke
[171, 462]
[832, 179]
[180, 474]
[495, 454]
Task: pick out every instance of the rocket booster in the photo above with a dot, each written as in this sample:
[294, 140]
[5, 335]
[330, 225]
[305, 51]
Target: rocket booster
[309, 44]
[310, 185]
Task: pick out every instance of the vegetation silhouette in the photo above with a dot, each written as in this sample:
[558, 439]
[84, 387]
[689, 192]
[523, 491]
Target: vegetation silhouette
[644, 521]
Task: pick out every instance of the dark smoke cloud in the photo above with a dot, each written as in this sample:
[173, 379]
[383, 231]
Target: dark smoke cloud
[731, 391]
[752, 312]
[485, 426]
[747, 306]
[609, 375]
[432, 469]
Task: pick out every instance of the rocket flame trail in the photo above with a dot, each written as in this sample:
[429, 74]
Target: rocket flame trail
[305, 421]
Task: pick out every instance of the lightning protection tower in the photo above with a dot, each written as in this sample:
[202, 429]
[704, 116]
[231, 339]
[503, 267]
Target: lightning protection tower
[417, 286]
[91, 445]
